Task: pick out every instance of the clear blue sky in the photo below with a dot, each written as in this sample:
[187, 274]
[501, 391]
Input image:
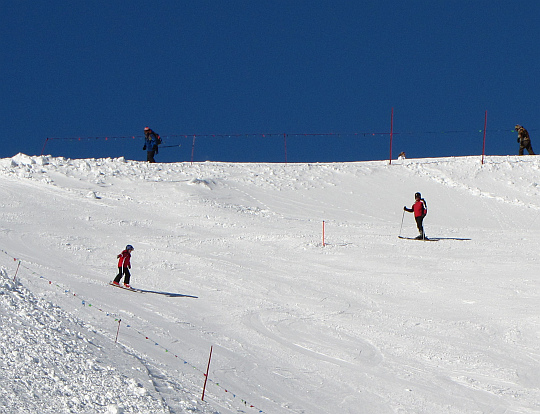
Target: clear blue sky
[108, 69]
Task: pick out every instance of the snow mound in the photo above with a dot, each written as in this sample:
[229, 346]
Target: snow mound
[52, 363]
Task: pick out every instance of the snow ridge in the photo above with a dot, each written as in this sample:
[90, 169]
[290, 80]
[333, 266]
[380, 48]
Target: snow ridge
[51, 364]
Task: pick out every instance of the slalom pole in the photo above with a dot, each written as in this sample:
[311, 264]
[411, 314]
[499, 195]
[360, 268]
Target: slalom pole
[323, 243]
[206, 375]
[402, 217]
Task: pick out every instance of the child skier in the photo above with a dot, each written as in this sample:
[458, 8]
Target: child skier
[124, 264]
[419, 209]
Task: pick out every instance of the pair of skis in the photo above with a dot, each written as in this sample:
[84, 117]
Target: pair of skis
[414, 238]
[126, 288]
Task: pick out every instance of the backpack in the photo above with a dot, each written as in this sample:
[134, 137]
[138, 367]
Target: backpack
[156, 136]
[424, 207]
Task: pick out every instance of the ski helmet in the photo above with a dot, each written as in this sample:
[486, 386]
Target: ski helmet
[129, 247]
[146, 129]
[417, 195]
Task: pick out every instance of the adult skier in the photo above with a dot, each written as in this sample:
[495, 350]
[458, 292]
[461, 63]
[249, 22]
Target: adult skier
[124, 264]
[419, 208]
[524, 140]
[151, 142]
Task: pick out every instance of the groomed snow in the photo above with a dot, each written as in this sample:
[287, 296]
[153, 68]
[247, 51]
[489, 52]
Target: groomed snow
[231, 256]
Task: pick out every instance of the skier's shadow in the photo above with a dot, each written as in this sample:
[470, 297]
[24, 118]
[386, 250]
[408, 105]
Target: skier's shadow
[449, 238]
[168, 294]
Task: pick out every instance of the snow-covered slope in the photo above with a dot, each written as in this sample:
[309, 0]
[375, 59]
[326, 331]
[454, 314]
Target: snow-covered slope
[231, 256]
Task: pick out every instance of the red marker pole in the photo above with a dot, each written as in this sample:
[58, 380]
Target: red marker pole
[484, 145]
[391, 133]
[206, 375]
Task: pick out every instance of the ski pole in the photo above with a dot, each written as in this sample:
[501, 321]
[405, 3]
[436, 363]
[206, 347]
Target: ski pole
[402, 217]
[171, 146]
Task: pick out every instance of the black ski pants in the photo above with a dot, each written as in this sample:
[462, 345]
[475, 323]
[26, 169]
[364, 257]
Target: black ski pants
[150, 156]
[123, 271]
[419, 224]
[526, 144]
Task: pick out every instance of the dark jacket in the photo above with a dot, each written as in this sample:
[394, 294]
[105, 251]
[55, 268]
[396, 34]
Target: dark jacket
[523, 135]
[151, 140]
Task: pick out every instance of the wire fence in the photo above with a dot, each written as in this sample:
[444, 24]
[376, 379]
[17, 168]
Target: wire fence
[291, 147]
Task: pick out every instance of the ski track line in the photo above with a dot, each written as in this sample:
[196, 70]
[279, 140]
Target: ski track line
[305, 206]
[254, 321]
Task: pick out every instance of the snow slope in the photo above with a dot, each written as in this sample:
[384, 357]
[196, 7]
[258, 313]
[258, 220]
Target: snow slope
[230, 256]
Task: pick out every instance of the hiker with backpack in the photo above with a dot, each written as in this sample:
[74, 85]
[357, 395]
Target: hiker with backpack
[124, 264]
[419, 208]
[524, 140]
[151, 142]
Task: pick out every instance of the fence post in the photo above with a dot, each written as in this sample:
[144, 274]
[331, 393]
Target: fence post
[43, 149]
[192, 149]
[391, 133]
[206, 375]
[285, 143]
[16, 271]
[117, 331]
[484, 145]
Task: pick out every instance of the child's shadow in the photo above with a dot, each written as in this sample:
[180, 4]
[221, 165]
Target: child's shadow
[168, 294]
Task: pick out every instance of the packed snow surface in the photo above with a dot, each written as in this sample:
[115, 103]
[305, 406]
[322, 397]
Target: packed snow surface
[231, 258]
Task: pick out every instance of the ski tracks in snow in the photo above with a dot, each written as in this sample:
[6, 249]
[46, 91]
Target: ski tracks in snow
[317, 343]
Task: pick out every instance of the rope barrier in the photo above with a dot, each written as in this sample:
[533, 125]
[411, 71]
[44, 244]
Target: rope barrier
[289, 134]
[285, 136]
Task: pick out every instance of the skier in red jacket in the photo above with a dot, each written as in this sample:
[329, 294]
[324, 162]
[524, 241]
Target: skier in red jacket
[419, 208]
[124, 264]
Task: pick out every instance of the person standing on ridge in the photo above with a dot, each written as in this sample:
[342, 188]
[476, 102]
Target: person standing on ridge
[124, 264]
[419, 209]
[151, 142]
[524, 140]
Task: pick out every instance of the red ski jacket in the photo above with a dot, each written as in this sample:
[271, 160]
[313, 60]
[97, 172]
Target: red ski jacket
[419, 208]
[124, 259]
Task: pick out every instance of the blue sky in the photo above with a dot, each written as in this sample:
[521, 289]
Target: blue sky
[250, 71]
